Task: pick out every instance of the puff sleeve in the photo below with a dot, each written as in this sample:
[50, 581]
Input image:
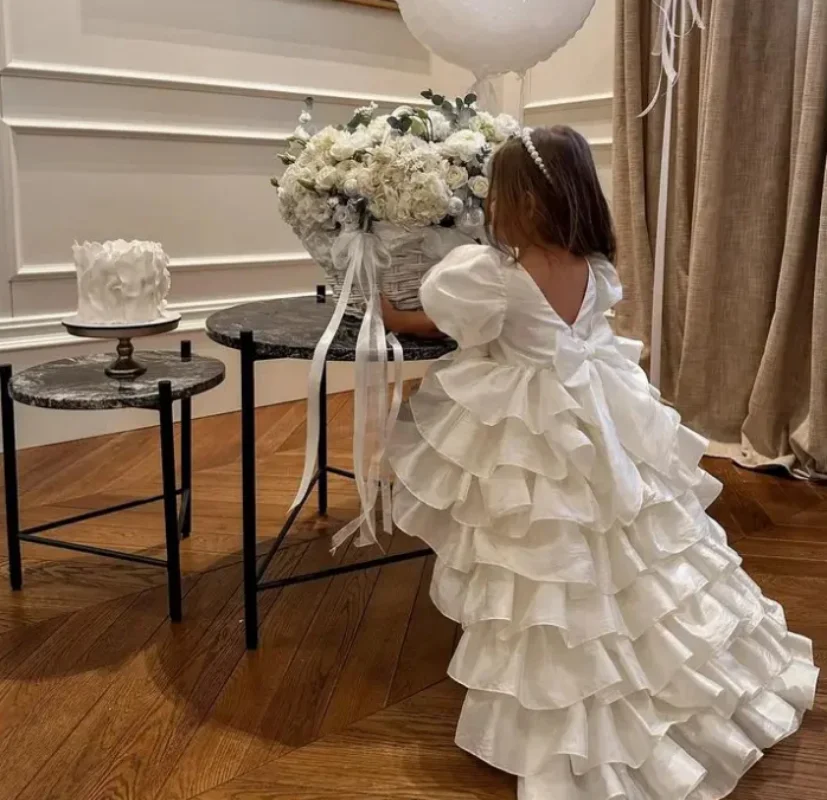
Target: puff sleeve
[464, 295]
[607, 283]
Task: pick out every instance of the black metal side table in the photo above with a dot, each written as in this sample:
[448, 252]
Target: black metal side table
[81, 384]
[279, 329]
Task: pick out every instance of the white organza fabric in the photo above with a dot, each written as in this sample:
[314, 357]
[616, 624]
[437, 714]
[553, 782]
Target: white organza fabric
[613, 647]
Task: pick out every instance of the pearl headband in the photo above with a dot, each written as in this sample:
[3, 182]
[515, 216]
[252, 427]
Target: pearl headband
[532, 151]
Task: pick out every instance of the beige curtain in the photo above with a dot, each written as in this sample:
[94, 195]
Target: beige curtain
[744, 355]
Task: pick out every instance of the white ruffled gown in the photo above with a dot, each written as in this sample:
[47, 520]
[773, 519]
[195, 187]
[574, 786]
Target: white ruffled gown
[613, 647]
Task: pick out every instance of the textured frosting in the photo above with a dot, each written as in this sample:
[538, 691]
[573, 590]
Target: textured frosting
[120, 281]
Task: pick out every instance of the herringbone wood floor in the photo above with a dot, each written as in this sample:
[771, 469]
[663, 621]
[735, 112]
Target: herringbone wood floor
[101, 697]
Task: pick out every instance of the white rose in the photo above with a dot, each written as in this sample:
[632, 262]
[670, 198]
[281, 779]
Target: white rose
[324, 139]
[484, 123]
[479, 186]
[506, 126]
[463, 145]
[351, 187]
[361, 139]
[440, 127]
[378, 129]
[456, 176]
[327, 179]
[343, 149]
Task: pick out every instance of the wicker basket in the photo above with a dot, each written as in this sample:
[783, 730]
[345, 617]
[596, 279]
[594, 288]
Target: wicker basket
[413, 253]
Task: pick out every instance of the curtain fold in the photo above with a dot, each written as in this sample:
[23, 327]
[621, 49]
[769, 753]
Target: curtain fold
[745, 301]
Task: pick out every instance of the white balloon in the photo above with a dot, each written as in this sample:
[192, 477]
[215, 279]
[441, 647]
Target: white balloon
[490, 37]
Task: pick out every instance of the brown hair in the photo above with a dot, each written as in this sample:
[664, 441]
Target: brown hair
[570, 211]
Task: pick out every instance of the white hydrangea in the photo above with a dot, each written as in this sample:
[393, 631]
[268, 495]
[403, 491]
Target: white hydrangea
[411, 179]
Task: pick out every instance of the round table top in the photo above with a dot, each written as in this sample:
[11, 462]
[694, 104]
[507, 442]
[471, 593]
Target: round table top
[291, 328]
[81, 383]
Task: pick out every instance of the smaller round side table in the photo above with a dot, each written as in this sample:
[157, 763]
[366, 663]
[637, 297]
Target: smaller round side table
[81, 384]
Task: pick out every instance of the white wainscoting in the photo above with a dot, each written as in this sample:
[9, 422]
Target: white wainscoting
[128, 120]
[104, 153]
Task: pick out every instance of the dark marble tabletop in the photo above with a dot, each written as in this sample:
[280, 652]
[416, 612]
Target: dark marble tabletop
[81, 383]
[290, 328]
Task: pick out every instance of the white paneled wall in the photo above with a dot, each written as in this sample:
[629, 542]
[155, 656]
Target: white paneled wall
[574, 87]
[161, 119]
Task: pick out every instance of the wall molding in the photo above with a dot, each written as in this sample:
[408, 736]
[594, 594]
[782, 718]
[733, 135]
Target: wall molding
[66, 271]
[59, 127]
[127, 130]
[569, 103]
[601, 142]
[187, 83]
[45, 330]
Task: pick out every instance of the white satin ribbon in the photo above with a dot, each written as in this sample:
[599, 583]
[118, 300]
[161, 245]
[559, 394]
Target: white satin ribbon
[674, 16]
[361, 256]
[483, 88]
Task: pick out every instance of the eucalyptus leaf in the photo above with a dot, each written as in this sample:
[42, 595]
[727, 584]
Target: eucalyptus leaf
[438, 99]
[470, 99]
[427, 94]
[418, 127]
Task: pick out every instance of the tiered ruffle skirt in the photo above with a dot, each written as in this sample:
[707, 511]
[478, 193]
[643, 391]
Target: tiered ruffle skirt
[613, 647]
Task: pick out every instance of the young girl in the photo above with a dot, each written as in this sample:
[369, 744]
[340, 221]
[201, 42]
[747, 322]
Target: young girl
[612, 648]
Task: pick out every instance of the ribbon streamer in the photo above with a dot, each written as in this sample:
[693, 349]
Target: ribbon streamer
[360, 256]
[483, 88]
[677, 18]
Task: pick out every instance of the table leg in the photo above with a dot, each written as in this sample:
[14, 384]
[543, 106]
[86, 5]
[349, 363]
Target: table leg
[248, 486]
[186, 449]
[170, 501]
[321, 457]
[10, 474]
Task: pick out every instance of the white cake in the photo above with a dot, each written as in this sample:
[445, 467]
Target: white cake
[121, 282]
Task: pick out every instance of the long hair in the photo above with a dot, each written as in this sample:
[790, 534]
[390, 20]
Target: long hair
[568, 210]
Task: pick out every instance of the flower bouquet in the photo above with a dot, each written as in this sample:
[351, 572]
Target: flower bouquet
[377, 202]
[415, 178]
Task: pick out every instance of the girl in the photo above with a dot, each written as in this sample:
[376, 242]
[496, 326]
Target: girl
[612, 648]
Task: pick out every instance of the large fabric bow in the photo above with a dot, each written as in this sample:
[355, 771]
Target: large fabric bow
[602, 373]
[574, 353]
